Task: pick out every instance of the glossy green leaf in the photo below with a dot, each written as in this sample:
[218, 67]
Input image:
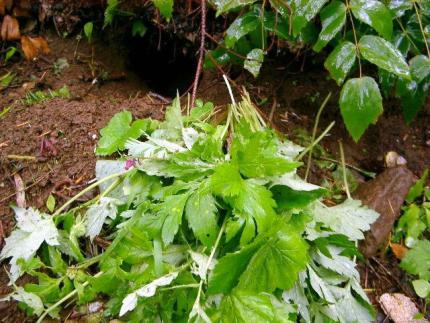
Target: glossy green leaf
[281, 6]
[240, 27]
[304, 11]
[380, 52]
[332, 19]
[420, 68]
[253, 61]
[227, 5]
[375, 14]
[88, 31]
[360, 104]
[340, 61]
[412, 96]
[165, 7]
[398, 7]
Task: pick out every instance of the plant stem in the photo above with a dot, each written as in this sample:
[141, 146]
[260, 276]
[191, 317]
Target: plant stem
[355, 36]
[180, 287]
[65, 298]
[314, 132]
[304, 152]
[89, 188]
[212, 254]
[421, 27]
[342, 158]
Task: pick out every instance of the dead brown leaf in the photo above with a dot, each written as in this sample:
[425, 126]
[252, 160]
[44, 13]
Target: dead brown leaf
[399, 250]
[10, 29]
[34, 46]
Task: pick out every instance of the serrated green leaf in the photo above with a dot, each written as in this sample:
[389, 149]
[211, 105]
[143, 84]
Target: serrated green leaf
[333, 19]
[349, 218]
[412, 224]
[304, 11]
[227, 271]
[226, 180]
[171, 210]
[418, 188]
[421, 287]
[277, 263]
[254, 60]
[340, 61]
[165, 7]
[201, 214]
[257, 155]
[242, 307]
[360, 105]
[118, 131]
[375, 14]
[417, 260]
[242, 26]
[383, 54]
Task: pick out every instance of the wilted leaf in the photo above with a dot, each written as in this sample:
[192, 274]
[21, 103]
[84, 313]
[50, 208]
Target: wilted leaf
[33, 229]
[399, 250]
[130, 301]
[34, 46]
[10, 29]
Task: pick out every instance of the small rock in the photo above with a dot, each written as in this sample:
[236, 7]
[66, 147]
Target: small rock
[393, 159]
[400, 308]
[386, 195]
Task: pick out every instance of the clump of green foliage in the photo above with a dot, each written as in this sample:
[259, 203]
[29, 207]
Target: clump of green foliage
[413, 227]
[32, 98]
[198, 222]
[391, 35]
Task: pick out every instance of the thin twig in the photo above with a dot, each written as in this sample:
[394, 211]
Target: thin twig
[345, 181]
[313, 144]
[201, 51]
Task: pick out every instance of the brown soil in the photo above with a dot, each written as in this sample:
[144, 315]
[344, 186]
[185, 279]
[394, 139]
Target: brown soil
[70, 126]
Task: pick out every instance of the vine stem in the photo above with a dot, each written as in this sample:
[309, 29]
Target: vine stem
[65, 298]
[201, 51]
[421, 27]
[314, 133]
[86, 190]
[355, 36]
[304, 152]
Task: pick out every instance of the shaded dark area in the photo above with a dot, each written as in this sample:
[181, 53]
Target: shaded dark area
[163, 62]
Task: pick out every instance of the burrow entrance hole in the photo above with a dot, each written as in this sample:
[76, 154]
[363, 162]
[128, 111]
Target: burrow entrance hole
[164, 62]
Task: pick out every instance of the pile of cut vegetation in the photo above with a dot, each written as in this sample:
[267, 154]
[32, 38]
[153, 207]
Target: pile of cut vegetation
[195, 221]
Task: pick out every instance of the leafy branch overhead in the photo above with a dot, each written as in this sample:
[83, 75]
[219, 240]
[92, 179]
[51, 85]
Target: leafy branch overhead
[199, 221]
[390, 35]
